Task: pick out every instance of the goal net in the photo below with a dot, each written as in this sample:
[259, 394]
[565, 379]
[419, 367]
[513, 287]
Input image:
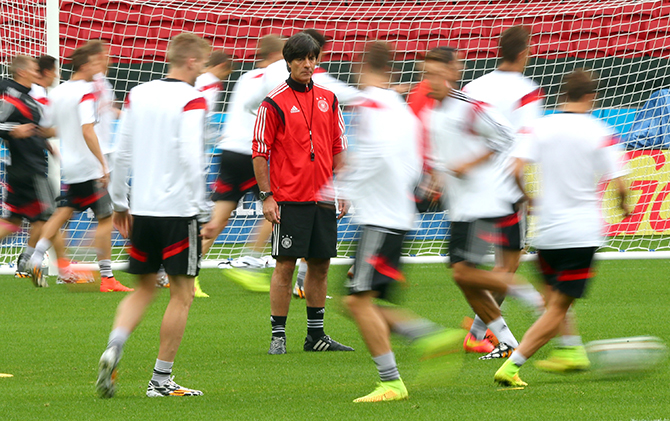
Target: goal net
[626, 42]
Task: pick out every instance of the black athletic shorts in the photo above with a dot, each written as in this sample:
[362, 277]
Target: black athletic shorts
[29, 198]
[89, 194]
[567, 270]
[236, 177]
[306, 230]
[377, 265]
[471, 241]
[170, 241]
[512, 230]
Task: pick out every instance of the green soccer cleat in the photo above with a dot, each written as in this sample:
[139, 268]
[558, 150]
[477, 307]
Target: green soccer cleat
[393, 390]
[249, 279]
[508, 375]
[441, 356]
[199, 293]
[565, 360]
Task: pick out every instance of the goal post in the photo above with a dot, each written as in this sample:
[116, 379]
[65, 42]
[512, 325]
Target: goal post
[627, 43]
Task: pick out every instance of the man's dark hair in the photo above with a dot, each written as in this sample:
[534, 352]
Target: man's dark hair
[579, 83]
[378, 57]
[46, 63]
[299, 46]
[80, 57]
[318, 36]
[512, 42]
[445, 55]
[219, 57]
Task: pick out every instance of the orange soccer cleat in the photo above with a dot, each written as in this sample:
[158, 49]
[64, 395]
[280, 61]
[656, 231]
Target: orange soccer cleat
[110, 284]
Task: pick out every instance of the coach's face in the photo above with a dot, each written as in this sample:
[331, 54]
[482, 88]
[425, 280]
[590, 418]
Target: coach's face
[302, 69]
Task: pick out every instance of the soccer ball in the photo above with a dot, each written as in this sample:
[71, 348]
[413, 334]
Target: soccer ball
[626, 355]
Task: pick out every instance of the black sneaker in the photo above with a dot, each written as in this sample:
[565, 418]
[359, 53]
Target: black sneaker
[324, 343]
[22, 270]
[502, 350]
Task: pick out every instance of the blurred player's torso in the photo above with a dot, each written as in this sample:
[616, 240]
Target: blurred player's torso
[238, 131]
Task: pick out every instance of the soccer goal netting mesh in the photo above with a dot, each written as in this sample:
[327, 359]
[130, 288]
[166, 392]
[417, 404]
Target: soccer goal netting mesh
[626, 42]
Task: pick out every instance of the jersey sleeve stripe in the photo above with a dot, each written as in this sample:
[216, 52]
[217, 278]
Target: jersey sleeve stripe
[215, 85]
[43, 101]
[87, 97]
[19, 105]
[196, 104]
[536, 95]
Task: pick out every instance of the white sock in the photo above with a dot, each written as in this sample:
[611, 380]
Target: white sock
[162, 371]
[118, 337]
[29, 250]
[570, 340]
[415, 328]
[529, 295]
[517, 358]
[302, 271]
[105, 268]
[502, 332]
[478, 329]
[42, 246]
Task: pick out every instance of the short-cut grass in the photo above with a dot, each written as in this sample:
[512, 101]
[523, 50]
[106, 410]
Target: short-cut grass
[51, 340]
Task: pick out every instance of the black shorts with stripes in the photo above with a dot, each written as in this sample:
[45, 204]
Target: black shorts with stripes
[89, 194]
[170, 241]
[377, 265]
[305, 230]
[567, 270]
[236, 177]
[29, 198]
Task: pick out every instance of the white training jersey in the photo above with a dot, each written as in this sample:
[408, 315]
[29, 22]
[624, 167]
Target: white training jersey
[385, 164]
[520, 100]
[39, 94]
[106, 112]
[160, 142]
[210, 87]
[461, 130]
[573, 152]
[74, 104]
[238, 131]
[277, 73]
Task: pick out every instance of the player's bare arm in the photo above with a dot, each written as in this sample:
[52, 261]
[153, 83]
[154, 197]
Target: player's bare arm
[338, 165]
[92, 142]
[270, 207]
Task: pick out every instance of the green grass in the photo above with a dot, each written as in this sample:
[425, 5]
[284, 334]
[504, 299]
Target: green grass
[51, 339]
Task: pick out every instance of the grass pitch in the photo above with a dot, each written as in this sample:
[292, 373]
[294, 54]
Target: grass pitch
[51, 340]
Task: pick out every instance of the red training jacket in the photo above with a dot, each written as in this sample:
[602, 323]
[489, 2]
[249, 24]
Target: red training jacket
[282, 136]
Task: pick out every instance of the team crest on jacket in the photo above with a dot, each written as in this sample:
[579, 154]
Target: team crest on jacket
[323, 105]
[287, 241]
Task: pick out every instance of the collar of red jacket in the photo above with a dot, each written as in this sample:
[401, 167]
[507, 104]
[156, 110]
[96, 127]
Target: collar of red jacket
[300, 87]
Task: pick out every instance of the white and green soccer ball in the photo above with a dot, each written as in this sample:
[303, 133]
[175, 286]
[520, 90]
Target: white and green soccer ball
[626, 355]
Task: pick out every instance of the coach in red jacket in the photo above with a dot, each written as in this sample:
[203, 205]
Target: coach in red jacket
[300, 131]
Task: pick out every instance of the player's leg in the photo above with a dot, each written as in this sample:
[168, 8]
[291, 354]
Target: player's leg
[8, 227]
[103, 248]
[220, 216]
[299, 287]
[24, 257]
[280, 300]
[322, 246]
[49, 232]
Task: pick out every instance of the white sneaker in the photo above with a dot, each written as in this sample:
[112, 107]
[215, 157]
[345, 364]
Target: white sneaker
[106, 384]
[169, 388]
[248, 262]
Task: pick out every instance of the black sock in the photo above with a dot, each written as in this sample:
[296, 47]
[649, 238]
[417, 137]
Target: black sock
[315, 321]
[278, 326]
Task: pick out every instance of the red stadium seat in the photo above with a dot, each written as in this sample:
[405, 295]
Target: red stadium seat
[67, 46]
[144, 49]
[327, 28]
[94, 30]
[388, 30]
[75, 13]
[343, 51]
[658, 25]
[659, 46]
[478, 47]
[277, 27]
[208, 29]
[626, 25]
[409, 49]
[468, 29]
[551, 46]
[430, 29]
[354, 30]
[249, 31]
[121, 33]
[123, 12]
[588, 47]
[582, 27]
[554, 25]
[626, 46]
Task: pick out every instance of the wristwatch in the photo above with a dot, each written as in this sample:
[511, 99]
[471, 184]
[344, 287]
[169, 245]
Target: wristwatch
[264, 195]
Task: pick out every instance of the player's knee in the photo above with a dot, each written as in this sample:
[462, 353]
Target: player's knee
[460, 273]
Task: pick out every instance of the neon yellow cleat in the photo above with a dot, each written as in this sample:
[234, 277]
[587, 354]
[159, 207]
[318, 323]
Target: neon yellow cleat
[565, 359]
[508, 375]
[199, 293]
[393, 390]
[441, 357]
[249, 279]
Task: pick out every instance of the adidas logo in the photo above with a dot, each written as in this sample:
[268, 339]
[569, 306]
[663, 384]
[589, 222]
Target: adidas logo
[294, 110]
[322, 311]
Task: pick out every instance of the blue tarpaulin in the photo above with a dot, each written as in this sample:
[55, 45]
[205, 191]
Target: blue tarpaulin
[651, 127]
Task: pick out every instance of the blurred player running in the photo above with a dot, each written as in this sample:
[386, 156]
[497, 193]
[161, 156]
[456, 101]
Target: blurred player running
[236, 172]
[28, 194]
[380, 179]
[166, 117]
[74, 110]
[573, 151]
[519, 100]
[467, 137]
